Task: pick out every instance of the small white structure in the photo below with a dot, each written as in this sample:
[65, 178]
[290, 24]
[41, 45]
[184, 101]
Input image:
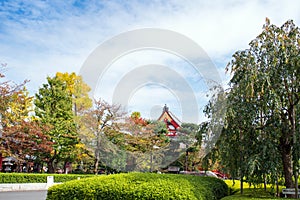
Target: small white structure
[50, 180]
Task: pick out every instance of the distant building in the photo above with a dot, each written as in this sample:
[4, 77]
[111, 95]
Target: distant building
[172, 122]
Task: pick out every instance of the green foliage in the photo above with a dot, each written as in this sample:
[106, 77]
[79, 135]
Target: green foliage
[260, 136]
[159, 127]
[54, 108]
[265, 99]
[190, 134]
[37, 178]
[140, 186]
[192, 130]
[189, 128]
[105, 137]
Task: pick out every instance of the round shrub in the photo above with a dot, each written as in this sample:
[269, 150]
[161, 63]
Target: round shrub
[140, 186]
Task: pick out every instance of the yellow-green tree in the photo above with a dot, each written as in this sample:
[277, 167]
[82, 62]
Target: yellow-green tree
[19, 107]
[78, 89]
[15, 103]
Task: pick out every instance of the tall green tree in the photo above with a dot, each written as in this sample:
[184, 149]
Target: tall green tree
[53, 106]
[261, 127]
[78, 90]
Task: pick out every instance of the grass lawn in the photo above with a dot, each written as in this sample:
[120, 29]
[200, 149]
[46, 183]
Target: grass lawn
[249, 192]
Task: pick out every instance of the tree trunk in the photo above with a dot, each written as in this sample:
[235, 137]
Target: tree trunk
[97, 150]
[242, 186]
[265, 183]
[296, 184]
[287, 164]
[97, 158]
[186, 160]
[296, 154]
[50, 166]
[66, 167]
[241, 164]
[277, 187]
[96, 165]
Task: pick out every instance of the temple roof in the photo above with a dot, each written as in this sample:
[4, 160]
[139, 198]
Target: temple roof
[168, 116]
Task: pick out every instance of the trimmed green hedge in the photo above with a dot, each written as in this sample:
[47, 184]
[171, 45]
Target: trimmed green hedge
[140, 186]
[37, 178]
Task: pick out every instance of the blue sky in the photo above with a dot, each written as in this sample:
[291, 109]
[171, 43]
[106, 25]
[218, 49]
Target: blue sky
[39, 38]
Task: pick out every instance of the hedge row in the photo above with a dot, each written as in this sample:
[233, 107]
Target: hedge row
[37, 178]
[140, 186]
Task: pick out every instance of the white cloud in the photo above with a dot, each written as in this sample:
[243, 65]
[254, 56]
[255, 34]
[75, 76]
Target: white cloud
[39, 38]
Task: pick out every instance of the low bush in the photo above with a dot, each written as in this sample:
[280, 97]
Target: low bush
[37, 178]
[140, 186]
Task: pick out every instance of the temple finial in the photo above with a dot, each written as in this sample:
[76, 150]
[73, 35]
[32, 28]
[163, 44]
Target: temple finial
[166, 108]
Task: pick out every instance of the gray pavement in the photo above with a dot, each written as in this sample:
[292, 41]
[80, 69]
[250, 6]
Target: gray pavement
[24, 195]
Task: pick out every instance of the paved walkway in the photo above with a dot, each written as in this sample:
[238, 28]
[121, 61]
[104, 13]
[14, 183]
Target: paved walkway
[24, 195]
[26, 191]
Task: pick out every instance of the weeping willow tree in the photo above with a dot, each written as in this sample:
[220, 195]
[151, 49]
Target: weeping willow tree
[260, 138]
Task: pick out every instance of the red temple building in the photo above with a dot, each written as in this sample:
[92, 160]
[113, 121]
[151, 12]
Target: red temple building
[172, 122]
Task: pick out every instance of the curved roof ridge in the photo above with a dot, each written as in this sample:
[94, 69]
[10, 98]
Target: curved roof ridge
[174, 116]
